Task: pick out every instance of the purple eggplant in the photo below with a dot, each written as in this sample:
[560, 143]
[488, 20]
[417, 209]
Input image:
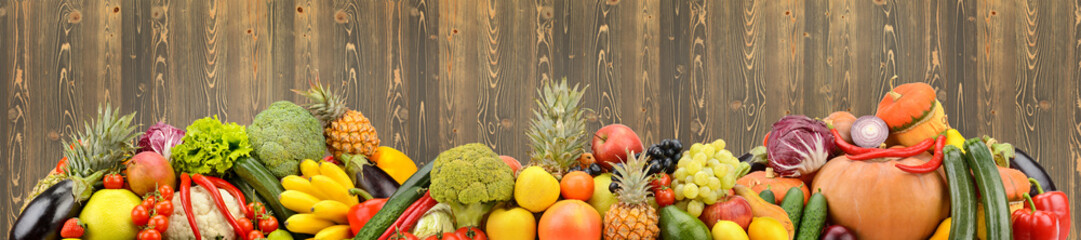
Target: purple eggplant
[46, 213]
[368, 177]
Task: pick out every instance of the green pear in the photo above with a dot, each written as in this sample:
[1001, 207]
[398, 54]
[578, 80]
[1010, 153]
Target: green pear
[602, 198]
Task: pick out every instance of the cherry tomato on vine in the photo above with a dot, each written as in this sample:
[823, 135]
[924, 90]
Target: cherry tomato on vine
[254, 234]
[166, 192]
[159, 222]
[164, 208]
[139, 215]
[664, 196]
[149, 234]
[245, 224]
[268, 224]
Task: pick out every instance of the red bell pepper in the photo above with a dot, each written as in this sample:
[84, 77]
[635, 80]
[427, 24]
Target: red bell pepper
[1054, 202]
[1029, 223]
[360, 214]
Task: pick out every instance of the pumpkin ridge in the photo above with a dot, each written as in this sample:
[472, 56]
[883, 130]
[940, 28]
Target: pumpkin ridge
[926, 115]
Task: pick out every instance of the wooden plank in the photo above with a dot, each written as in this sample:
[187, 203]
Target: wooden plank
[675, 22]
[1073, 161]
[16, 97]
[422, 73]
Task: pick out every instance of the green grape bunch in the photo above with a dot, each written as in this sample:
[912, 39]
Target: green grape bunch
[705, 173]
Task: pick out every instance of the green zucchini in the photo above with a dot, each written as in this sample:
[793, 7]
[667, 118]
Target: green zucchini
[993, 194]
[768, 196]
[246, 189]
[814, 217]
[962, 194]
[793, 205]
[265, 184]
[410, 190]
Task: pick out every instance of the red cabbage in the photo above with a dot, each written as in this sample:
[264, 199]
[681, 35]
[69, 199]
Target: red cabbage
[799, 145]
[161, 138]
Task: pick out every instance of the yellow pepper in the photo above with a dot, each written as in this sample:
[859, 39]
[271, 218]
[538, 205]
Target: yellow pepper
[395, 163]
[943, 231]
[953, 137]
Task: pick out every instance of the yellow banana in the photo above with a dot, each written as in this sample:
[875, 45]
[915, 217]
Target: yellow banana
[336, 232]
[294, 182]
[306, 223]
[309, 168]
[297, 201]
[331, 210]
[334, 172]
[333, 190]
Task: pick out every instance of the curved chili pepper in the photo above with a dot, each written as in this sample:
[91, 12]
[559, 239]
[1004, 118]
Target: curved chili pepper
[929, 166]
[185, 201]
[202, 181]
[228, 187]
[411, 215]
[848, 148]
[897, 152]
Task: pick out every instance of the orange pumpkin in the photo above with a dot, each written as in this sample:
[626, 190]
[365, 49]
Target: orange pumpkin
[1015, 182]
[762, 180]
[876, 200]
[913, 113]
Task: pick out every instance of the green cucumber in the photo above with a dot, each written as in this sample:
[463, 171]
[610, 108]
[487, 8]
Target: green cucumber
[246, 189]
[993, 194]
[962, 194]
[410, 190]
[266, 185]
[678, 225]
[814, 217]
[793, 205]
[768, 196]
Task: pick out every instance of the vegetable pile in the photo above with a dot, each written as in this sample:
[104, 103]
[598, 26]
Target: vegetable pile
[317, 171]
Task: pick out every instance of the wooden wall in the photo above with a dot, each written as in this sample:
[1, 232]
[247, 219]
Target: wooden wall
[435, 74]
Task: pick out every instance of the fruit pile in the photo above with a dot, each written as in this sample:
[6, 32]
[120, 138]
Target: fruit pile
[321, 169]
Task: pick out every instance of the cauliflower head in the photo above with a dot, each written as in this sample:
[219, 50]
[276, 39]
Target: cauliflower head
[212, 223]
[471, 179]
[285, 134]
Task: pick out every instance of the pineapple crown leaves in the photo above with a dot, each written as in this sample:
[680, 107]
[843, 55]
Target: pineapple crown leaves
[558, 128]
[325, 105]
[633, 179]
[102, 147]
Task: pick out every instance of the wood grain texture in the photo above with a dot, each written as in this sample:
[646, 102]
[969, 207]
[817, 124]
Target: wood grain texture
[436, 74]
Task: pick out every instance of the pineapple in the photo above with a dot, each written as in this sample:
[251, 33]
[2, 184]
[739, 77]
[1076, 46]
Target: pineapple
[632, 217]
[347, 131]
[102, 147]
[558, 134]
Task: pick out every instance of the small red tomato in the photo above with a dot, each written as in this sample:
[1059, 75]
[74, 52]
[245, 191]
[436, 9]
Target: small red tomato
[114, 181]
[166, 192]
[72, 229]
[149, 234]
[664, 196]
[470, 233]
[254, 234]
[255, 209]
[660, 180]
[402, 236]
[245, 224]
[139, 215]
[159, 222]
[164, 208]
[148, 203]
[62, 165]
[268, 224]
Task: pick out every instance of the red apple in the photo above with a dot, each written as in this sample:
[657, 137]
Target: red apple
[611, 143]
[148, 170]
[513, 163]
[735, 209]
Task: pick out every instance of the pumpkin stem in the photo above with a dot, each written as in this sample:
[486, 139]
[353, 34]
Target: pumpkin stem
[893, 94]
[769, 172]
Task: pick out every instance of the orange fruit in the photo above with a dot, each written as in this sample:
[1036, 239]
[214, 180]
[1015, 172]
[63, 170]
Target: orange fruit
[576, 185]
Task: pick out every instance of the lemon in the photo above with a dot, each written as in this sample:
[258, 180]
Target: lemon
[725, 230]
[108, 215]
[766, 228]
[535, 189]
[512, 224]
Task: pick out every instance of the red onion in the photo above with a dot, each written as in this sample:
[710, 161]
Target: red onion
[869, 131]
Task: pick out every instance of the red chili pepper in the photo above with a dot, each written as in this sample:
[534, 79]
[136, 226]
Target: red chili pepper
[929, 166]
[185, 201]
[848, 148]
[202, 181]
[411, 215]
[1056, 203]
[896, 152]
[1029, 223]
[235, 192]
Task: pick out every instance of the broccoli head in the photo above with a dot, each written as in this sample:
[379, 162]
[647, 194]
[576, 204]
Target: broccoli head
[471, 179]
[283, 135]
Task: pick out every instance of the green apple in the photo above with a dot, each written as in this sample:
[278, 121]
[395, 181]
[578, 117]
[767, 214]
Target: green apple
[602, 198]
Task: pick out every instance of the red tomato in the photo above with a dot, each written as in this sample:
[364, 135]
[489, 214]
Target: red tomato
[159, 222]
[255, 209]
[245, 224]
[446, 236]
[471, 233]
[164, 208]
[255, 234]
[62, 165]
[139, 215]
[149, 234]
[166, 192]
[664, 197]
[114, 181]
[660, 180]
[576, 185]
[268, 224]
[148, 203]
[402, 236]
